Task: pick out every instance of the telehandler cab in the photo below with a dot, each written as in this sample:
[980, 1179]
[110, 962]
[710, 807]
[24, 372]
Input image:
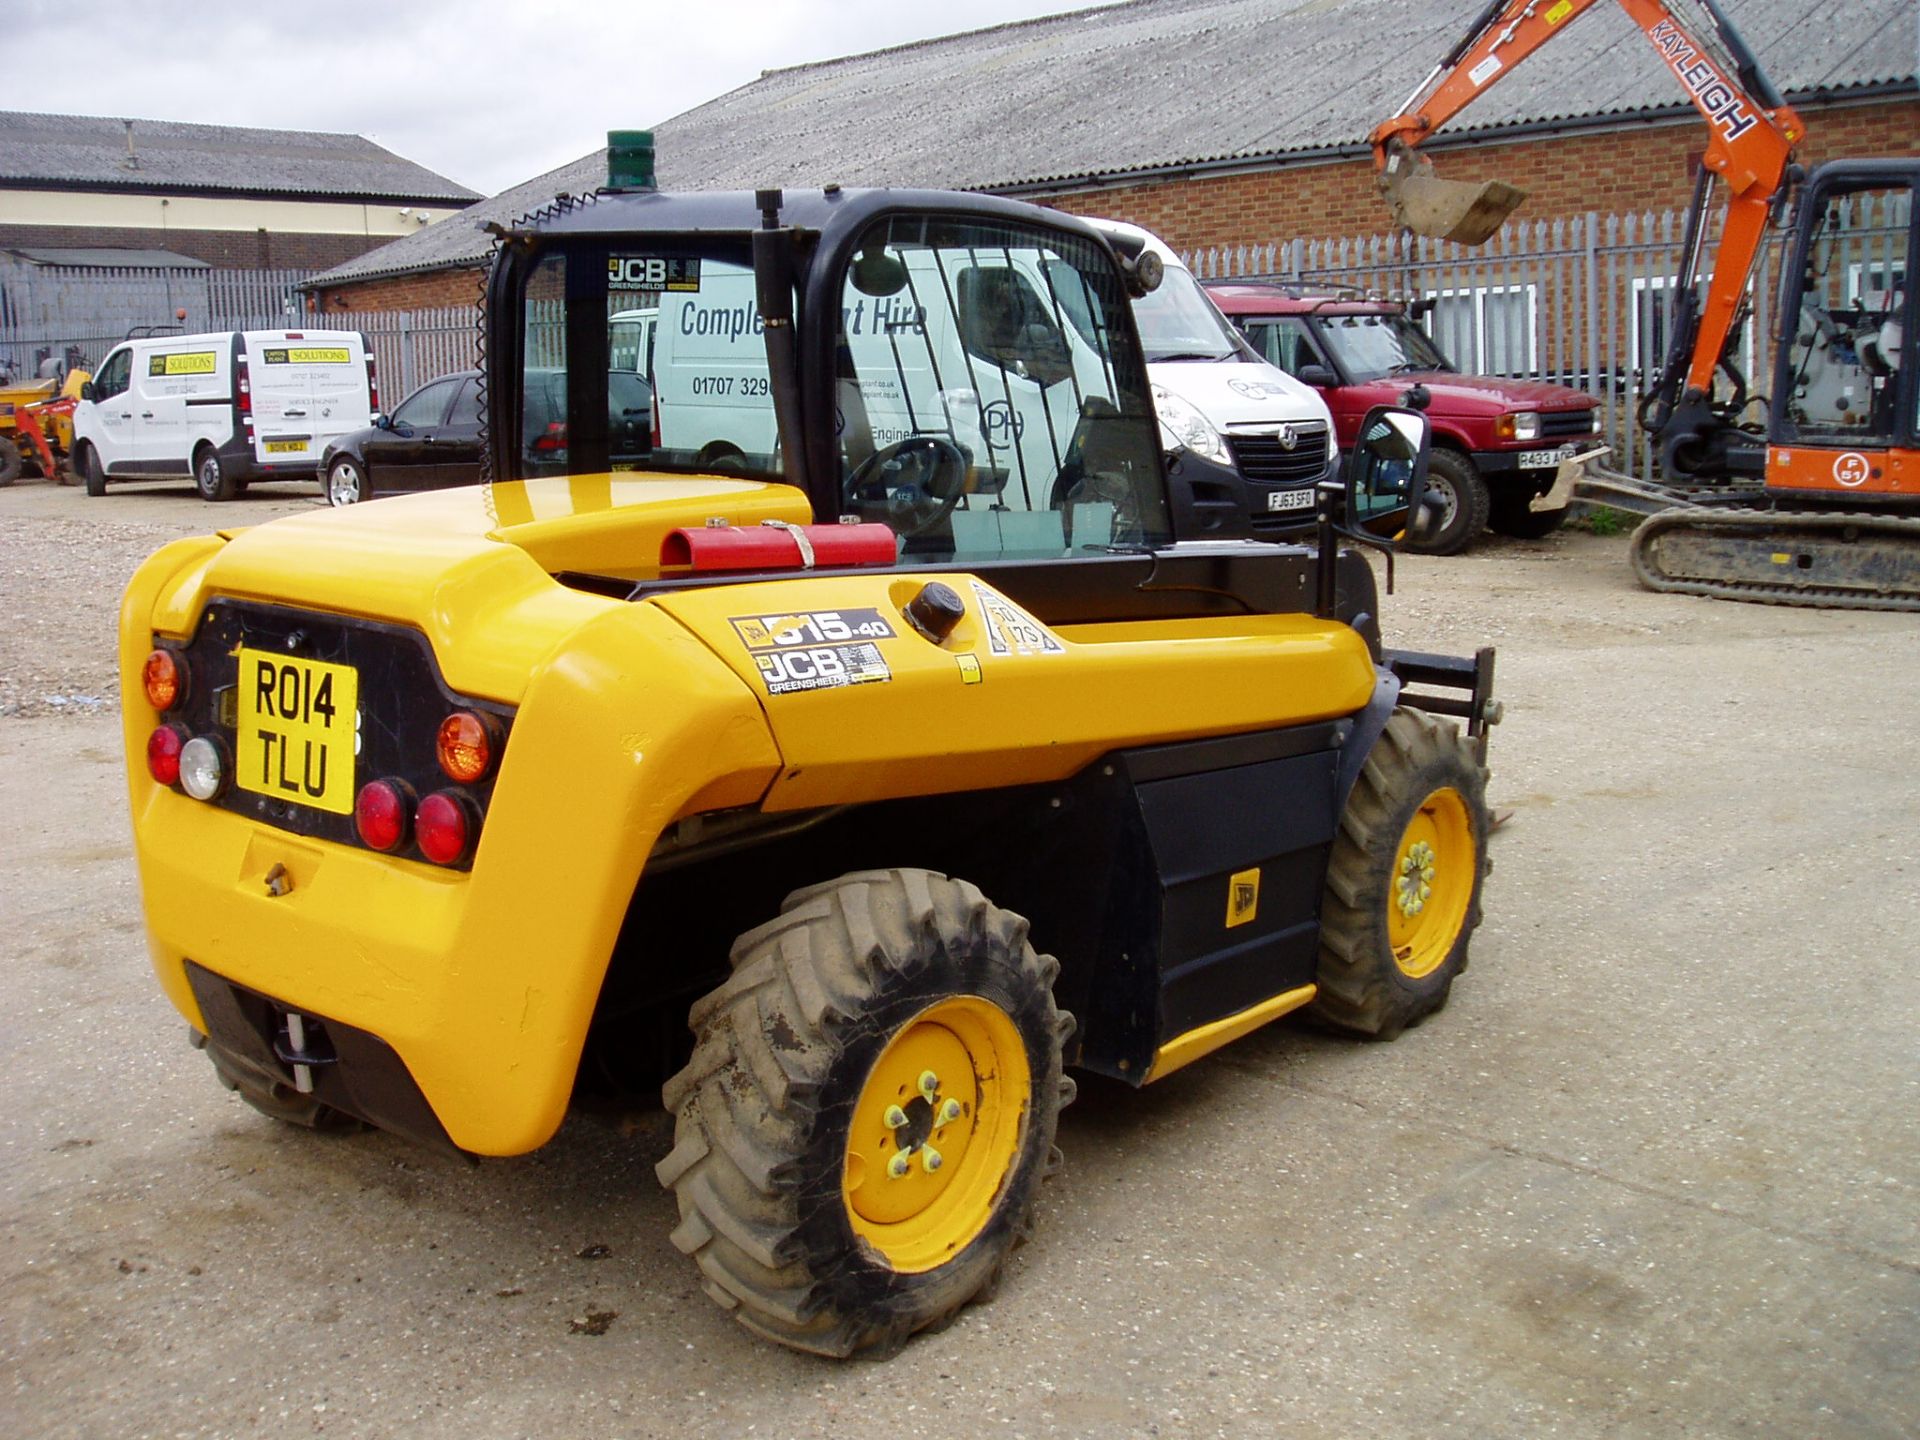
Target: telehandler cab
[910, 762]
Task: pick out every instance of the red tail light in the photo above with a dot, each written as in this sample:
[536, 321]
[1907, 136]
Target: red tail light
[444, 827]
[163, 753]
[380, 814]
[554, 439]
[373, 387]
[656, 419]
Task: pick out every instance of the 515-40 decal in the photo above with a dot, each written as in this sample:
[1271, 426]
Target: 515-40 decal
[816, 649]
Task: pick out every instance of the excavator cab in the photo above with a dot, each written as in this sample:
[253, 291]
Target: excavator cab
[1844, 421]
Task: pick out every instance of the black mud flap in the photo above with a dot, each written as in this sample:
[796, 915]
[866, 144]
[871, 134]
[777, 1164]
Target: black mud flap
[355, 1072]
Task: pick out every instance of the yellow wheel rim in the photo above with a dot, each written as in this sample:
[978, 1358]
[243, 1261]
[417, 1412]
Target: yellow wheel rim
[1431, 884]
[935, 1132]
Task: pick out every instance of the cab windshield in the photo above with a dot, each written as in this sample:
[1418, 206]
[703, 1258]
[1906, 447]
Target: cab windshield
[1370, 347]
[985, 395]
[1178, 322]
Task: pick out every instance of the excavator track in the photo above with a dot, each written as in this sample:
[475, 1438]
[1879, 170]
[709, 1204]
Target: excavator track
[1774, 557]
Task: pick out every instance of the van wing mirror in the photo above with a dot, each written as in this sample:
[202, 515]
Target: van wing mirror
[1319, 376]
[86, 389]
[1387, 476]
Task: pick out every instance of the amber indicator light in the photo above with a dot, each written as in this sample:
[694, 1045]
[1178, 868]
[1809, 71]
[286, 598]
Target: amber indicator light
[464, 747]
[164, 680]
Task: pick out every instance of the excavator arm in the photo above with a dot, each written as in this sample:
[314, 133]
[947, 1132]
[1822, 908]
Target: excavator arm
[1751, 132]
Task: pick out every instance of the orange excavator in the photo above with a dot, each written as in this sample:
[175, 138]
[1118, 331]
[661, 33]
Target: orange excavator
[1821, 504]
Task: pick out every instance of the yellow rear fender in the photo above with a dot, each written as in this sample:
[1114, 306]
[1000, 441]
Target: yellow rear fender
[482, 982]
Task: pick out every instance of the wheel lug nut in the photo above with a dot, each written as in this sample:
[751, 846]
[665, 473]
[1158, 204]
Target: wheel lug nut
[929, 1159]
[929, 1084]
[898, 1166]
[894, 1118]
[949, 1112]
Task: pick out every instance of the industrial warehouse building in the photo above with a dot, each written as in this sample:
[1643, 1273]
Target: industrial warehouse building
[1222, 122]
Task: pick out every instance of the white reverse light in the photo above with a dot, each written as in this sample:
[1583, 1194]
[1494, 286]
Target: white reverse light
[203, 768]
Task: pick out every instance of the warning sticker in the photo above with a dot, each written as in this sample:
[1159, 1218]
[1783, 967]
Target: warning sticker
[1485, 71]
[1010, 630]
[198, 362]
[308, 355]
[816, 649]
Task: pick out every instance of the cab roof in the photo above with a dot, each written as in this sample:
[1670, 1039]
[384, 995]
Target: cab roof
[829, 210]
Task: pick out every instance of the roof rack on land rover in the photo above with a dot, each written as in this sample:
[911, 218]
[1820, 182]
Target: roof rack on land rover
[1325, 295]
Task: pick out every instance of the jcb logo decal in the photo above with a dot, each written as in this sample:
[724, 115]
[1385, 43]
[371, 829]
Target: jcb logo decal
[1243, 897]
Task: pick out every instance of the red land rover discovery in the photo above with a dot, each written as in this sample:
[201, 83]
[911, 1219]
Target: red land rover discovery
[1496, 443]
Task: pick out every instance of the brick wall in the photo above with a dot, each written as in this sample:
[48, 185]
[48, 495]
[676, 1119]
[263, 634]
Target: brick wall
[1649, 167]
[408, 292]
[229, 249]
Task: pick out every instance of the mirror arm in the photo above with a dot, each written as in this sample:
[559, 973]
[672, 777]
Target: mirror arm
[1372, 542]
[1326, 597]
[1326, 591]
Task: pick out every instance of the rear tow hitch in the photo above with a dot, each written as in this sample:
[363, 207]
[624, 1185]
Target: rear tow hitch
[302, 1046]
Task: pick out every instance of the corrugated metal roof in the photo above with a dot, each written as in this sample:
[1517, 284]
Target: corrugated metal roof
[105, 258]
[1153, 85]
[91, 152]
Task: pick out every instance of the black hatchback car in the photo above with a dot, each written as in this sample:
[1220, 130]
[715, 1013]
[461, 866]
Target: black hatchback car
[432, 438]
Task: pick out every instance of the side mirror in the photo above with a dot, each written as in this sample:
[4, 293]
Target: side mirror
[382, 422]
[86, 390]
[1319, 376]
[1387, 476]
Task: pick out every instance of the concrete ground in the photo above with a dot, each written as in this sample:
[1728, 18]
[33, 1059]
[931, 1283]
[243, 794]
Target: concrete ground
[1654, 1172]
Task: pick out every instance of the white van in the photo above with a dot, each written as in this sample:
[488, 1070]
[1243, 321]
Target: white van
[1220, 399]
[630, 340]
[223, 409]
[923, 354]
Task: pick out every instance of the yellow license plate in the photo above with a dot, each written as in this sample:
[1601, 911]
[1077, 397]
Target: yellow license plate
[297, 723]
[282, 447]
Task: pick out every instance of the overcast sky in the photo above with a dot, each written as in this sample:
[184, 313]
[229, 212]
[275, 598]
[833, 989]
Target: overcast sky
[486, 94]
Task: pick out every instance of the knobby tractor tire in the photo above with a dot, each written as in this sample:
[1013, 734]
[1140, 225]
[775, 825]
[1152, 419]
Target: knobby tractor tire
[1404, 880]
[10, 461]
[870, 1108]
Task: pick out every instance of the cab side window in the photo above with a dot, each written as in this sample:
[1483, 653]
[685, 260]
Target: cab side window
[111, 380]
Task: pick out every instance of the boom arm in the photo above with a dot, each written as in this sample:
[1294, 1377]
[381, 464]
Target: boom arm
[1750, 139]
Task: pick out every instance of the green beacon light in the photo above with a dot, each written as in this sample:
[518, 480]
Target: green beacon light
[630, 160]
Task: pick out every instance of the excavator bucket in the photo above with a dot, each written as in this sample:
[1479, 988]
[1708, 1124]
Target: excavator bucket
[1446, 209]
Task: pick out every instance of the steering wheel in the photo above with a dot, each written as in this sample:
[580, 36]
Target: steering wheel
[912, 484]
